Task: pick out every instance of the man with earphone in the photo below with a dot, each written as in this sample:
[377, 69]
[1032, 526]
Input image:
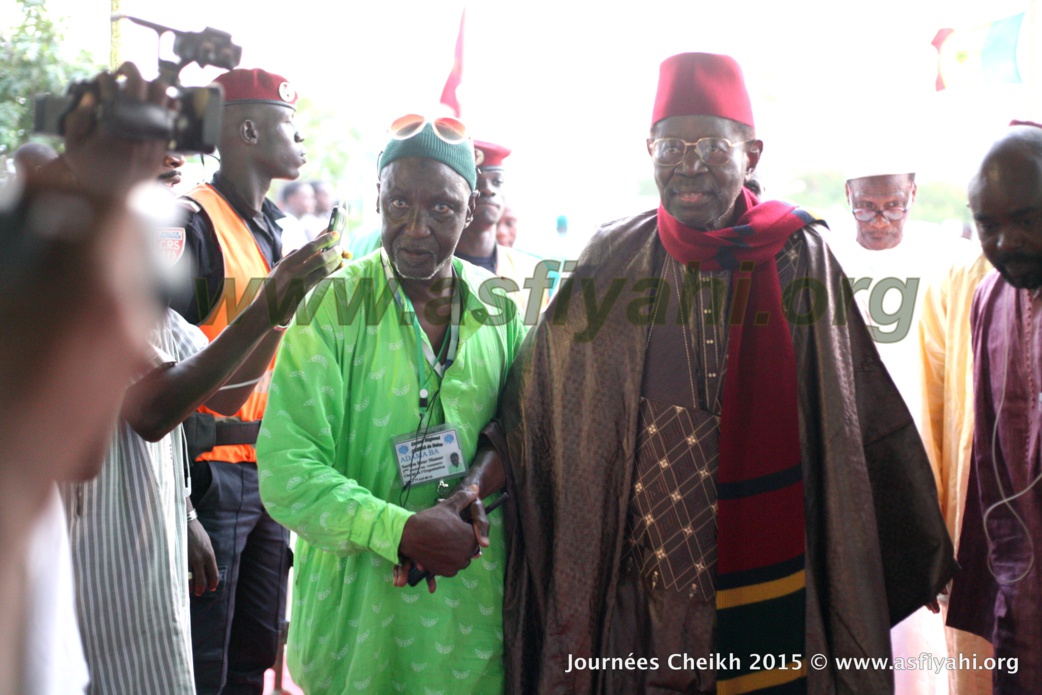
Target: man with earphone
[999, 593]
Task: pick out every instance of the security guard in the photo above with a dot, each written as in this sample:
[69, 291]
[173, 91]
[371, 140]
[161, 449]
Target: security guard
[233, 240]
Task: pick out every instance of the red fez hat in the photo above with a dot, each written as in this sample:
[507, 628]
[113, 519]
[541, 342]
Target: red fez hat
[256, 87]
[488, 155]
[702, 84]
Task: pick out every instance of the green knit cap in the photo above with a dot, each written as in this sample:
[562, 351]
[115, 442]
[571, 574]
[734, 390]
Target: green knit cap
[426, 144]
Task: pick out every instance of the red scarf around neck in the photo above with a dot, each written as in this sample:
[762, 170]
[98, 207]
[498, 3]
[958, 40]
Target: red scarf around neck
[760, 514]
[761, 231]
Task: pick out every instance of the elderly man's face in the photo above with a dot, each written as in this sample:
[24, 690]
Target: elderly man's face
[701, 196]
[1006, 200]
[424, 205]
[880, 194]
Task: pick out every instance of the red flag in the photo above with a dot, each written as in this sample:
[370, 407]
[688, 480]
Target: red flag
[448, 94]
[938, 42]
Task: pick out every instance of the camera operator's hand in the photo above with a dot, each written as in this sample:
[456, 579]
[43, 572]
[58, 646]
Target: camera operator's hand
[101, 161]
[64, 365]
[301, 270]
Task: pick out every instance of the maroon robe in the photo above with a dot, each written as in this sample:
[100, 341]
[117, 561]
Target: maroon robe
[1007, 342]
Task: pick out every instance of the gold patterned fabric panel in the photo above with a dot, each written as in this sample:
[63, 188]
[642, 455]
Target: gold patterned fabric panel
[672, 515]
[674, 498]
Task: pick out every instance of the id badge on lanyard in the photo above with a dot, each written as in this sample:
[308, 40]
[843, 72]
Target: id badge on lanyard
[430, 453]
[433, 455]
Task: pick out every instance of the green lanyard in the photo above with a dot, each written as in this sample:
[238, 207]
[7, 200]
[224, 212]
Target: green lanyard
[422, 347]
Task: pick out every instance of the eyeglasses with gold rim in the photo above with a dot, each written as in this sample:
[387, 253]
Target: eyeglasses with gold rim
[714, 152]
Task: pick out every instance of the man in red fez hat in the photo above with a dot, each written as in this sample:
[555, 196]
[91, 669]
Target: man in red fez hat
[233, 240]
[708, 461]
[478, 243]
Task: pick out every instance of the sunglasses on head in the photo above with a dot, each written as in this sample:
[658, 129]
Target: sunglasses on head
[451, 130]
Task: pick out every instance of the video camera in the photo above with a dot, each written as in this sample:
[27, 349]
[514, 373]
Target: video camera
[194, 122]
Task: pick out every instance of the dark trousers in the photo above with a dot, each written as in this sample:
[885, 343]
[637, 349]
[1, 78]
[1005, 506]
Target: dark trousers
[235, 629]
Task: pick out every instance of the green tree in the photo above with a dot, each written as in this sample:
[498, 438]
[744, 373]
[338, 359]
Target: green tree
[32, 63]
[329, 140]
[940, 201]
[335, 155]
[820, 190]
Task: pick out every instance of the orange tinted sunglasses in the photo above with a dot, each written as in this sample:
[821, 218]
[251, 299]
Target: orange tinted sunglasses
[451, 130]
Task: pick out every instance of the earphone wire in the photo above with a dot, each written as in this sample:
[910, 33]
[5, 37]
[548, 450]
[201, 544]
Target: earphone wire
[1006, 501]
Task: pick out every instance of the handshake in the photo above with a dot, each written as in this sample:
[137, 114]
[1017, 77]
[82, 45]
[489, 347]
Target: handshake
[444, 539]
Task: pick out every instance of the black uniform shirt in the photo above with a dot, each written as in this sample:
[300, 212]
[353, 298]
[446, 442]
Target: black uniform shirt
[489, 263]
[203, 251]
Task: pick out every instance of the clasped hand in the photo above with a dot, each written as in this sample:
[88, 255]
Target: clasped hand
[440, 540]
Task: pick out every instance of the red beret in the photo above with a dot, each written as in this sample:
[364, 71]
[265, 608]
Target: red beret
[488, 155]
[702, 84]
[256, 87]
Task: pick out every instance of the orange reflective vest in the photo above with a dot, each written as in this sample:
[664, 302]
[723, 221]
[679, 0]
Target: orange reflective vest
[244, 271]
